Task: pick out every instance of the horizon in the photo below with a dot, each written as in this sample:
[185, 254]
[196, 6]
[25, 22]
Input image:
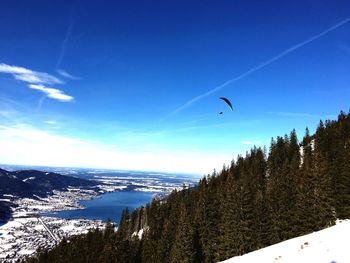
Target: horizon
[103, 85]
[13, 167]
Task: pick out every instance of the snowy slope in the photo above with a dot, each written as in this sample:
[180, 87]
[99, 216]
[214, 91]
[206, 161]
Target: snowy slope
[330, 245]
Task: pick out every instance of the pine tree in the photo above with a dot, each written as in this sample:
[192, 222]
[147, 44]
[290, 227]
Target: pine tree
[342, 148]
[251, 204]
[281, 189]
[182, 249]
[229, 237]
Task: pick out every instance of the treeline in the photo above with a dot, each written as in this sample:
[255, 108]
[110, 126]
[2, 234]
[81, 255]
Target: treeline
[259, 200]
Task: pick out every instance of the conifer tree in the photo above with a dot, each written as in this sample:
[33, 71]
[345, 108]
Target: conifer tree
[182, 249]
[251, 204]
[229, 236]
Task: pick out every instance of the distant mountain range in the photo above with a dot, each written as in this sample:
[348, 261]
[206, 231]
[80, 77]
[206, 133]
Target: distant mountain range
[31, 183]
[26, 183]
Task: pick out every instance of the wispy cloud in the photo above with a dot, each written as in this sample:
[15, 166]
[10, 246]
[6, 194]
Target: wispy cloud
[29, 76]
[52, 93]
[65, 74]
[290, 114]
[65, 42]
[260, 66]
[24, 144]
[37, 80]
[11, 112]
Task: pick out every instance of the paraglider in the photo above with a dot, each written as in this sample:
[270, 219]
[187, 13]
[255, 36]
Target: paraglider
[228, 102]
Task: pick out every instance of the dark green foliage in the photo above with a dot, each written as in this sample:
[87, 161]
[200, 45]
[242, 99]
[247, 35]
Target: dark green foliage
[255, 202]
[182, 248]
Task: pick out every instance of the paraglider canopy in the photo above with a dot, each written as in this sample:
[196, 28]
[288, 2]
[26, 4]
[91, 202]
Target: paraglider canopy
[227, 102]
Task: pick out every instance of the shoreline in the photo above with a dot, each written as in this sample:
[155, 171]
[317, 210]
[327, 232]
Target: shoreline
[27, 230]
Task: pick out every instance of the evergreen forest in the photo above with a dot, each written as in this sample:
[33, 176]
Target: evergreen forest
[295, 187]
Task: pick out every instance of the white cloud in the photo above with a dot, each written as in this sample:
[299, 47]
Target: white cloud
[52, 93]
[28, 75]
[36, 80]
[4, 68]
[65, 74]
[30, 146]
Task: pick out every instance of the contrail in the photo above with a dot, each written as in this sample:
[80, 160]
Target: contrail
[40, 103]
[260, 66]
[64, 43]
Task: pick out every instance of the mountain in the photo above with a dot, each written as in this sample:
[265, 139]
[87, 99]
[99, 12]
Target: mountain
[33, 183]
[11, 184]
[261, 199]
[27, 183]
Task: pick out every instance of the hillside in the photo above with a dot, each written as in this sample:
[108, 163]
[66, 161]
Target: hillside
[32, 183]
[261, 199]
[27, 183]
[325, 246]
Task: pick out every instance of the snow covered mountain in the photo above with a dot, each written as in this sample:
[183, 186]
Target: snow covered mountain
[26, 183]
[329, 245]
[33, 184]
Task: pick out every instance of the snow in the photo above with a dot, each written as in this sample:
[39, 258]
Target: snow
[325, 246]
[7, 246]
[11, 224]
[29, 178]
[39, 228]
[22, 236]
[27, 230]
[67, 228]
[26, 251]
[148, 190]
[139, 233]
[19, 214]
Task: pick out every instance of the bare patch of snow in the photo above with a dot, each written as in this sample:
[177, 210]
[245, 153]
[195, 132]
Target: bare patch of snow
[325, 246]
[26, 251]
[67, 228]
[29, 178]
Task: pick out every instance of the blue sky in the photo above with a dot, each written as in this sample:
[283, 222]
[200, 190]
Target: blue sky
[135, 84]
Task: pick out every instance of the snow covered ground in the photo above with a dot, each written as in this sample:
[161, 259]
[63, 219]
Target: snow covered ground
[23, 235]
[27, 230]
[329, 245]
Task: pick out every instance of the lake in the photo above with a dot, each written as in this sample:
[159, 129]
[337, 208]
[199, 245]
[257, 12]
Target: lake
[106, 206]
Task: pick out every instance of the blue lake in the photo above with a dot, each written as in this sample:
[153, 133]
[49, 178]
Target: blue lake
[106, 206]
